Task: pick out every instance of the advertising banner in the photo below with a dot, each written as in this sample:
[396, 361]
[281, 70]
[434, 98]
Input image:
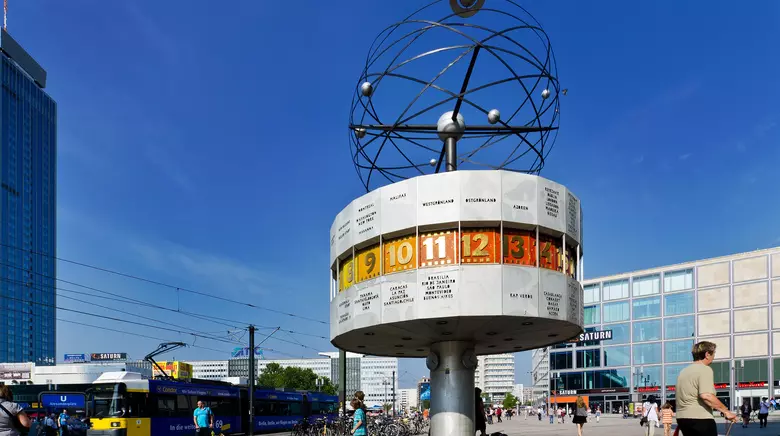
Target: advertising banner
[75, 358]
[239, 352]
[108, 357]
[425, 391]
[177, 370]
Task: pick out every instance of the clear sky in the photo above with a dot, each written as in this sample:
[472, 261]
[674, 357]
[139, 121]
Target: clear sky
[203, 144]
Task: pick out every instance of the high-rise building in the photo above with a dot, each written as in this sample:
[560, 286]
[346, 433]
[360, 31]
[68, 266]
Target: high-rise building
[642, 326]
[495, 375]
[373, 375]
[540, 365]
[407, 399]
[28, 210]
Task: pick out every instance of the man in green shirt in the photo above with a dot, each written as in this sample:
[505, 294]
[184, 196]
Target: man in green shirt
[695, 394]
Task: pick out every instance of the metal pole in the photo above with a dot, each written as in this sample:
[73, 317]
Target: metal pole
[451, 151]
[251, 379]
[393, 391]
[343, 380]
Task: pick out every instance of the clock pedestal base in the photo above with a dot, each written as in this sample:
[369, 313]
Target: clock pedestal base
[452, 388]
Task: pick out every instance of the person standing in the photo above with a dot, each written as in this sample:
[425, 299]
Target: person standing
[695, 394]
[498, 414]
[745, 410]
[580, 415]
[203, 419]
[50, 425]
[598, 412]
[63, 422]
[12, 417]
[480, 422]
[763, 412]
[358, 419]
[667, 414]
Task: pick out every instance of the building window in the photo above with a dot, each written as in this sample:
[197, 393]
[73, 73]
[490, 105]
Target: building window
[589, 358]
[647, 308]
[561, 361]
[614, 312]
[621, 334]
[756, 370]
[617, 356]
[647, 330]
[679, 327]
[608, 378]
[671, 372]
[591, 294]
[678, 304]
[647, 285]
[721, 372]
[647, 376]
[647, 353]
[615, 290]
[678, 351]
[678, 280]
[592, 314]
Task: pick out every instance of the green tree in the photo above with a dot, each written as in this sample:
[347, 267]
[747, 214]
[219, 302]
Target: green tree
[426, 404]
[510, 401]
[388, 407]
[291, 377]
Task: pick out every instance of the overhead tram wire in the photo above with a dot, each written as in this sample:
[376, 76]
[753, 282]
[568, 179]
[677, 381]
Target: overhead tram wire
[159, 283]
[193, 332]
[140, 335]
[236, 324]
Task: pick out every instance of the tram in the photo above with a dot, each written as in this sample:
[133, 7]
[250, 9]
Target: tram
[125, 404]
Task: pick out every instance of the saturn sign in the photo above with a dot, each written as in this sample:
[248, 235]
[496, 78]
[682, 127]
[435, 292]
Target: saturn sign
[601, 335]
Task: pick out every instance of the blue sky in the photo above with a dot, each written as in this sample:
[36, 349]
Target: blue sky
[204, 145]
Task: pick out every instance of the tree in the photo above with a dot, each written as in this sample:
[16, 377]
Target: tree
[426, 404]
[510, 401]
[388, 407]
[291, 377]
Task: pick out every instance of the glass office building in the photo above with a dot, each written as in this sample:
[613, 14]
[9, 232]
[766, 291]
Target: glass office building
[654, 318]
[28, 210]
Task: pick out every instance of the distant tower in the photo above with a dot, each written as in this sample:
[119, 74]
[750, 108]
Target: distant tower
[28, 233]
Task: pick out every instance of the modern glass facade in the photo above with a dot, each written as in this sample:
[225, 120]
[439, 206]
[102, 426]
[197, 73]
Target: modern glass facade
[28, 211]
[657, 315]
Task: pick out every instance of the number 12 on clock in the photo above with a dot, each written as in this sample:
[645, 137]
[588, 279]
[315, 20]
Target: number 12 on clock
[479, 246]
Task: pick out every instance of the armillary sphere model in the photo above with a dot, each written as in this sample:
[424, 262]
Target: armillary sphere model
[459, 248]
[490, 88]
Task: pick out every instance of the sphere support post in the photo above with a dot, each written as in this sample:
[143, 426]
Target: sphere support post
[452, 391]
[451, 151]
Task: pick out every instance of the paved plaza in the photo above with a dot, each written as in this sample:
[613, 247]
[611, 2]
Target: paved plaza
[615, 426]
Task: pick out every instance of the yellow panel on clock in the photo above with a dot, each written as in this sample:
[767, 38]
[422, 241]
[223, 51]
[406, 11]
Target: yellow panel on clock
[347, 275]
[400, 254]
[368, 263]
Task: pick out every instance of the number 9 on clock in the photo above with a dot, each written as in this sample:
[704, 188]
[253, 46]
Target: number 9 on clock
[368, 266]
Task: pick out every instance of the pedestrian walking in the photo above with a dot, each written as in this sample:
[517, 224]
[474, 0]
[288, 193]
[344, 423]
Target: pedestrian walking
[695, 394]
[598, 413]
[650, 413]
[580, 415]
[667, 415]
[551, 411]
[479, 412]
[13, 420]
[745, 410]
[203, 419]
[499, 412]
[763, 412]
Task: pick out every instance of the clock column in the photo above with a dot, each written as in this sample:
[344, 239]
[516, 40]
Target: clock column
[452, 365]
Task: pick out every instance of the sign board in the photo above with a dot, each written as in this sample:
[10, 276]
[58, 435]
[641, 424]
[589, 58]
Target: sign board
[177, 370]
[600, 335]
[14, 375]
[239, 352]
[75, 358]
[425, 391]
[108, 357]
[62, 400]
